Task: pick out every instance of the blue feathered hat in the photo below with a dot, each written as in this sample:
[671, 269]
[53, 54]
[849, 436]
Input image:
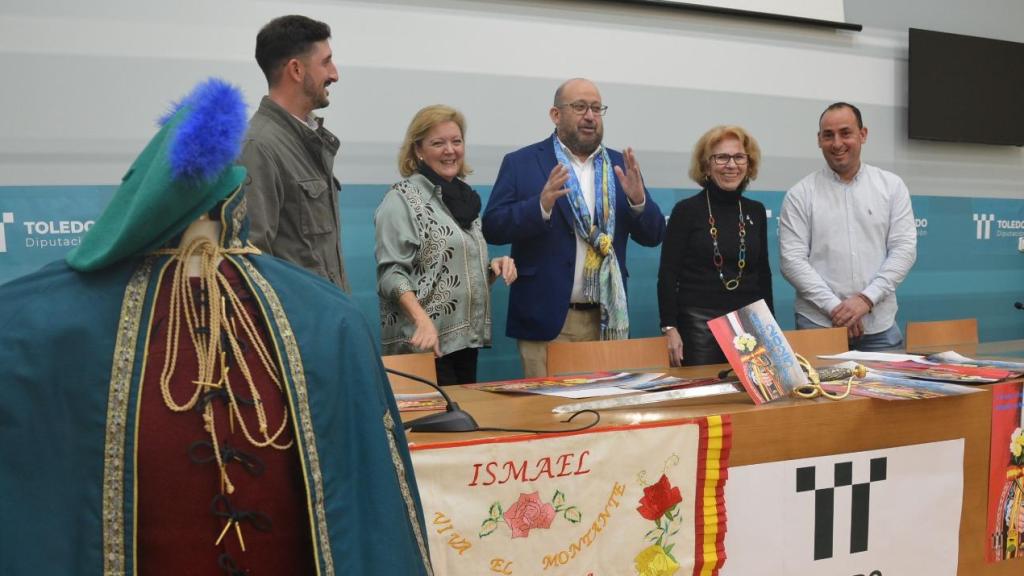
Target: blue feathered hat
[184, 171]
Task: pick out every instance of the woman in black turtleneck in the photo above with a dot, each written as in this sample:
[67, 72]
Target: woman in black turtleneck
[696, 281]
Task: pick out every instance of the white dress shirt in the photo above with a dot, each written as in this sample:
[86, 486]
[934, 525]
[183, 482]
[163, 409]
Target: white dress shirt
[584, 171]
[839, 238]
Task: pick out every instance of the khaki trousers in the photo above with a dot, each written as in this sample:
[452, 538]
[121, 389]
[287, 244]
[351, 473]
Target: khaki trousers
[580, 326]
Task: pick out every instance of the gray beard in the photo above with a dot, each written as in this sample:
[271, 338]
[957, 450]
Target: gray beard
[580, 148]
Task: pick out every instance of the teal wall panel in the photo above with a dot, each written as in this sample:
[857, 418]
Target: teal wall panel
[968, 262]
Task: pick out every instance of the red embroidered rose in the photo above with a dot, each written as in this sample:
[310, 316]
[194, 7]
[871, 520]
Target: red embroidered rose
[658, 498]
[527, 513]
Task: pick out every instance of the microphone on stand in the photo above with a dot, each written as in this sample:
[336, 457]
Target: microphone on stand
[453, 419]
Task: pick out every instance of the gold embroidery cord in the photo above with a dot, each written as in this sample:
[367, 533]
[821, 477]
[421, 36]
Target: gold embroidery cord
[208, 325]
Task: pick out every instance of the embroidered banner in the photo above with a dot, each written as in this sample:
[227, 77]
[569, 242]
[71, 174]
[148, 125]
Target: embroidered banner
[644, 499]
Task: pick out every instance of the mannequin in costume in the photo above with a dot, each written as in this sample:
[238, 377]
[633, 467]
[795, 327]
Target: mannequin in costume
[175, 402]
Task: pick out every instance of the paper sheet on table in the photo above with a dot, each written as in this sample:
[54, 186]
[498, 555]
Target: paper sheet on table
[621, 385]
[859, 356]
[951, 357]
[588, 392]
[418, 396]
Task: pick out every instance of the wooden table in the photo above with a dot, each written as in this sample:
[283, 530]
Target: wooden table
[796, 428]
[1012, 350]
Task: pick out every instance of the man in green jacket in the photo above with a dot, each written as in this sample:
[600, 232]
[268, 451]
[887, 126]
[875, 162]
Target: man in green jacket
[291, 189]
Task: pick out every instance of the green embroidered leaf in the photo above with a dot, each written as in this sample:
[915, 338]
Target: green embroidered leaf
[572, 514]
[488, 526]
[558, 499]
[668, 552]
[677, 523]
[496, 511]
[653, 535]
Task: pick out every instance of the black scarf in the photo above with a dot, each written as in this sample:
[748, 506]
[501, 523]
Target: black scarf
[462, 201]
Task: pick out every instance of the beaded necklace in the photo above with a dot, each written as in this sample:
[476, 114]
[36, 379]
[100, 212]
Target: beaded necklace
[741, 262]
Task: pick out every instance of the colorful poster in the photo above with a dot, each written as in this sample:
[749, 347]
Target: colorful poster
[1006, 475]
[579, 503]
[943, 372]
[421, 402]
[884, 387]
[758, 352]
[894, 511]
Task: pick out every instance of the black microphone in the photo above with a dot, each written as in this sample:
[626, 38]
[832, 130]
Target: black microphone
[453, 419]
[1018, 305]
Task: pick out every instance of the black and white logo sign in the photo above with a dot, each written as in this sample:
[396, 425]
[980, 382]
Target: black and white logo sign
[884, 512]
[988, 226]
[825, 499]
[984, 225]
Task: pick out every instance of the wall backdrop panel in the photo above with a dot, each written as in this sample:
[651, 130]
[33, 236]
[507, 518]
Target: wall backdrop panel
[86, 82]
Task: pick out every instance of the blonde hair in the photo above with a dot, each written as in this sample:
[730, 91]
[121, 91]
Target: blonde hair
[423, 122]
[702, 151]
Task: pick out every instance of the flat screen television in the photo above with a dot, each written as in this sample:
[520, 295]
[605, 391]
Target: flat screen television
[965, 89]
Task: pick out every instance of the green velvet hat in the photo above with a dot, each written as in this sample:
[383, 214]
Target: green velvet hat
[184, 171]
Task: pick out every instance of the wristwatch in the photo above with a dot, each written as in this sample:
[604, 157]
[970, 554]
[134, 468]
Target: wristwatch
[667, 329]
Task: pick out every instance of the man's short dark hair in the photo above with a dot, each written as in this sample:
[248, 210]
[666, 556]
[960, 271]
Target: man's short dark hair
[285, 38]
[837, 106]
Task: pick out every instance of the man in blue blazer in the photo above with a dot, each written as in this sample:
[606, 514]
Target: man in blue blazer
[567, 205]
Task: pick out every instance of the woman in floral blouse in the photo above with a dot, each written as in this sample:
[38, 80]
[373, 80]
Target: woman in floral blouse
[433, 273]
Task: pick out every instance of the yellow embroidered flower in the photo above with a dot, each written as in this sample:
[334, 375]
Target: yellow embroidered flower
[604, 244]
[1017, 443]
[744, 342]
[653, 561]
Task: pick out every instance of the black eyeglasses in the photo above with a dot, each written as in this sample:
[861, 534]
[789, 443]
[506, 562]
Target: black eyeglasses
[723, 159]
[580, 107]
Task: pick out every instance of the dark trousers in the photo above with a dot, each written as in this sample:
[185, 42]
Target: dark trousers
[459, 367]
[699, 344]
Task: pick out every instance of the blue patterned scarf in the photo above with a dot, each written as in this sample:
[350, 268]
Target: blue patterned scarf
[602, 279]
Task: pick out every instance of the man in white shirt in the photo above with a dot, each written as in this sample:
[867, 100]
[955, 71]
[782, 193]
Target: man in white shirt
[847, 238]
[568, 204]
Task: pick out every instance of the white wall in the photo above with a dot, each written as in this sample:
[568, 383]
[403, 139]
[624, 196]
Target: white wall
[85, 81]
